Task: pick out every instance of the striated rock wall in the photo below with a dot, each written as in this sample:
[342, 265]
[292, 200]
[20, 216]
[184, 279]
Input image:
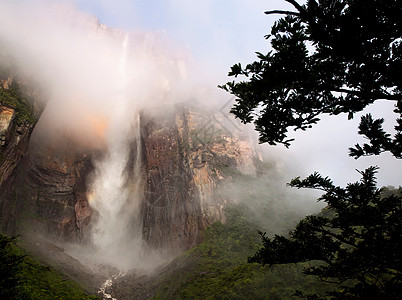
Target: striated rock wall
[56, 201]
[17, 121]
[42, 187]
[187, 156]
[47, 194]
[14, 141]
[172, 213]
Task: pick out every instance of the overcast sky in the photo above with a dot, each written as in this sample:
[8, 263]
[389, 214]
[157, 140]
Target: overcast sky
[219, 33]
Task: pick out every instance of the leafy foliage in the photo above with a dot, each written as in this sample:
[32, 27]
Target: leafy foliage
[328, 57]
[380, 141]
[22, 277]
[359, 240]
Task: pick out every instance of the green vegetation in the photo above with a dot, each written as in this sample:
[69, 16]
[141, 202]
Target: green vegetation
[23, 277]
[217, 268]
[14, 98]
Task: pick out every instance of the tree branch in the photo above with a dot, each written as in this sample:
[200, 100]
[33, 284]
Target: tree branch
[282, 12]
[296, 5]
[375, 95]
[338, 237]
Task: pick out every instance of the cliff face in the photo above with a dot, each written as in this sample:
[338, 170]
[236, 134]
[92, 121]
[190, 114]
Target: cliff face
[42, 187]
[14, 141]
[46, 192]
[187, 154]
[56, 199]
[17, 119]
[172, 208]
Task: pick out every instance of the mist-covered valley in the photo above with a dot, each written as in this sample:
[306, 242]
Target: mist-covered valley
[123, 172]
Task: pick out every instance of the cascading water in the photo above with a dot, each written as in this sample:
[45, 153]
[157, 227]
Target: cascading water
[116, 191]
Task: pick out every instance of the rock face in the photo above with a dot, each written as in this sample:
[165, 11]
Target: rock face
[14, 145]
[14, 140]
[187, 155]
[56, 198]
[42, 188]
[47, 193]
[172, 212]
[15, 132]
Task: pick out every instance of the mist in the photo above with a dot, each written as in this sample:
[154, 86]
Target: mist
[78, 61]
[98, 81]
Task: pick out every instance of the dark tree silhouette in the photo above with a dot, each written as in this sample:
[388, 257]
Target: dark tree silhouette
[332, 57]
[327, 57]
[358, 237]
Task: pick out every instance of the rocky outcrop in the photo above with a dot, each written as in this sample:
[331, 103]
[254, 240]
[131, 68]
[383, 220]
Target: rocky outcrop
[187, 155]
[172, 213]
[12, 152]
[14, 141]
[47, 194]
[15, 132]
[56, 199]
[42, 187]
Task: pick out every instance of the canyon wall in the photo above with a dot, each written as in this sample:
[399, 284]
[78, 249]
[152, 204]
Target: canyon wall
[44, 186]
[19, 110]
[187, 153]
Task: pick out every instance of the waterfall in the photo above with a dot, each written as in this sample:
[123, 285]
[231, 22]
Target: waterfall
[115, 193]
